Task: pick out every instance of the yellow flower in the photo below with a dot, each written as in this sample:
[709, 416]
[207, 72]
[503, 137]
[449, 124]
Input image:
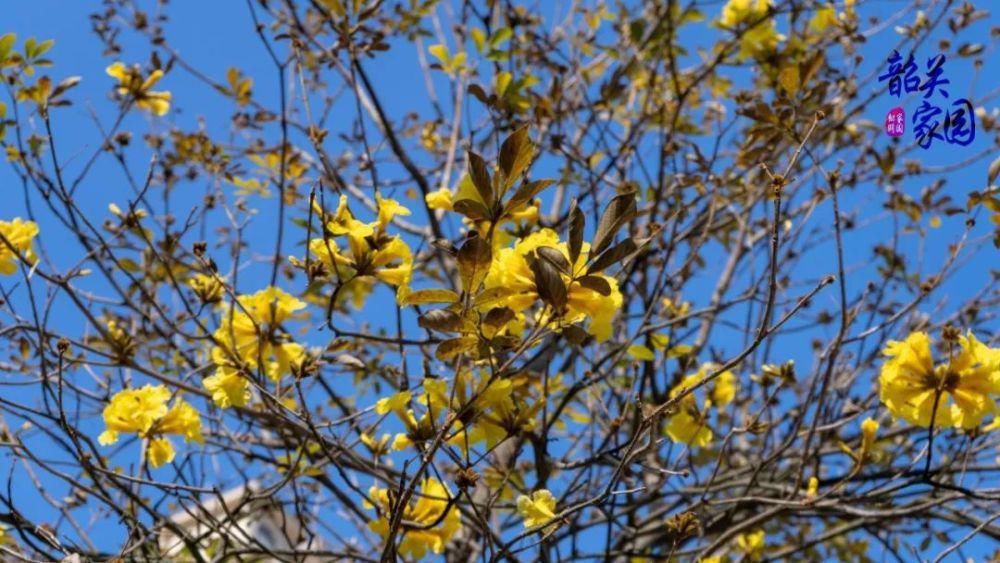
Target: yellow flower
[690, 424]
[373, 253]
[18, 234]
[131, 83]
[208, 288]
[962, 387]
[823, 19]
[869, 428]
[813, 488]
[183, 420]
[512, 271]
[761, 36]
[387, 210]
[398, 402]
[251, 332]
[376, 447]
[228, 387]
[538, 509]
[724, 389]
[134, 410]
[433, 519]
[439, 199]
[160, 451]
[752, 545]
[144, 412]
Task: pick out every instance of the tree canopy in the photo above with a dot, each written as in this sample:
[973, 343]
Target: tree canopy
[496, 280]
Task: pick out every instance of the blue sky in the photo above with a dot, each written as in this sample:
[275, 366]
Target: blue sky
[216, 35]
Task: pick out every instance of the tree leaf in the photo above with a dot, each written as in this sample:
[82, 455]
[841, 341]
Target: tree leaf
[640, 352]
[443, 320]
[994, 171]
[492, 296]
[596, 283]
[548, 282]
[474, 259]
[471, 209]
[433, 295]
[576, 224]
[621, 210]
[516, 153]
[480, 174]
[477, 91]
[455, 346]
[526, 193]
[499, 316]
[789, 79]
[557, 258]
[614, 254]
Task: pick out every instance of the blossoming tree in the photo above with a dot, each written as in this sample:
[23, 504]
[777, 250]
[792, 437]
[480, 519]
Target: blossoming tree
[485, 281]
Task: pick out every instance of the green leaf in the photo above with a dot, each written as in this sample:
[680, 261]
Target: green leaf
[6, 44]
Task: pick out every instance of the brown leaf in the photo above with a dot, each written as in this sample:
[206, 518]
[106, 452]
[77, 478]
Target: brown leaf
[548, 282]
[433, 295]
[596, 283]
[471, 209]
[526, 193]
[499, 316]
[474, 258]
[557, 258]
[621, 210]
[455, 346]
[614, 254]
[480, 173]
[442, 320]
[516, 153]
[576, 224]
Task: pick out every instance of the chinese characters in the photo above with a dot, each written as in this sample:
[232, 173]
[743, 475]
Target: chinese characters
[952, 123]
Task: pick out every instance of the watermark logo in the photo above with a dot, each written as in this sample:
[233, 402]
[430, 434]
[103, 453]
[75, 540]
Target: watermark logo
[935, 118]
[895, 122]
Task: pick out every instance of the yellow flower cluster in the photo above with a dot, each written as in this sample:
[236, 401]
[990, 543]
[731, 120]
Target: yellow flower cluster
[958, 392]
[144, 412]
[131, 83]
[760, 36]
[689, 425]
[17, 234]
[492, 409]
[371, 252]
[208, 288]
[250, 336]
[429, 523]
[512, 272]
